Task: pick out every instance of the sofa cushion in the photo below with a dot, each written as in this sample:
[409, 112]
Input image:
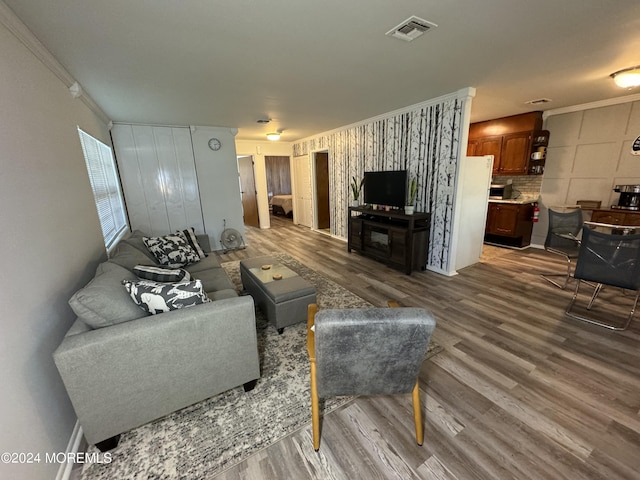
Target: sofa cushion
[171, 250]
[222, 294]
[156, 297]
[213, 279]
[103, 301]
[161, 274]
[205, 264]
[189, 235]
[129, 256]
[135, 240]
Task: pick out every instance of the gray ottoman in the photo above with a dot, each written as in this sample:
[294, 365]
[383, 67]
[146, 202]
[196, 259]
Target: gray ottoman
[283, 301]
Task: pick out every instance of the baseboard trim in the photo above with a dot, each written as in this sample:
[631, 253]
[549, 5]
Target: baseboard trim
[64, 472]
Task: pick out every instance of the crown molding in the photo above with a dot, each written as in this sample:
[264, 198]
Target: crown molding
[588, 106]
[37, 48]
[464, 93]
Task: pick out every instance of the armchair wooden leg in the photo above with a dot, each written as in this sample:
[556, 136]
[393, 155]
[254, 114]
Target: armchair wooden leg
[417, 414]
[315, 409]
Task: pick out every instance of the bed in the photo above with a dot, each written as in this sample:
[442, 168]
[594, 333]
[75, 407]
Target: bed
[282, 204]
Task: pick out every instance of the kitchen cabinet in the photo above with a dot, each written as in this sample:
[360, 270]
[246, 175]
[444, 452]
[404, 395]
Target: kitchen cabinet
[509, 224]
[518, 143]
[616, 217]
[515, 154]
[485, 146]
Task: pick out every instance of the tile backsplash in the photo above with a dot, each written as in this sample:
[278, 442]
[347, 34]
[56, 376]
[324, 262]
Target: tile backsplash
[526, 185]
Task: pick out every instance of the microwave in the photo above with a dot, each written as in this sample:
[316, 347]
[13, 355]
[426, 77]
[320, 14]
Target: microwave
[500, 192]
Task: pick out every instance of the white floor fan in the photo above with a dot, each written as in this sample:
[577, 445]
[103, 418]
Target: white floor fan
[231, 239]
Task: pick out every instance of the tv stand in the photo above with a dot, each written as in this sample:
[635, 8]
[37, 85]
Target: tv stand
[391, 237]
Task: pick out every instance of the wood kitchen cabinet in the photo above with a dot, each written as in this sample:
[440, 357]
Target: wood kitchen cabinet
[616, 217]
[486, 146]
[512, 141]
[509, 224]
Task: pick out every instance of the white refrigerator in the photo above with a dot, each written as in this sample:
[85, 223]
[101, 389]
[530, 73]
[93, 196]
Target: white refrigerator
[470, 210]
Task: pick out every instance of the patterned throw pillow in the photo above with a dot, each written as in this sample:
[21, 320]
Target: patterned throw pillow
[189, 235]
[155, 297]
[161, 274]
[171, 250]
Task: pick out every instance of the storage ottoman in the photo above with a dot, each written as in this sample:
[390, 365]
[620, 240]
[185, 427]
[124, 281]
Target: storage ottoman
[285, 300]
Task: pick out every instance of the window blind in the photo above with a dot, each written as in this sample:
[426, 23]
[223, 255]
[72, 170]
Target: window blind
[103, 176]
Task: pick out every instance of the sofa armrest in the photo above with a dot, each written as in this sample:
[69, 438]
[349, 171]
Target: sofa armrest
[128, 374]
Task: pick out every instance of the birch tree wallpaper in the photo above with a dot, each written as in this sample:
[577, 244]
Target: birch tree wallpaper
[424, 141]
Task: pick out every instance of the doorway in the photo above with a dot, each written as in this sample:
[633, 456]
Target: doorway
[278, 172]
[248, 191]
[323, 215]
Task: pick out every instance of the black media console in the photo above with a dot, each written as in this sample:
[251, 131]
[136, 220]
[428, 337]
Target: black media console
[391, 237]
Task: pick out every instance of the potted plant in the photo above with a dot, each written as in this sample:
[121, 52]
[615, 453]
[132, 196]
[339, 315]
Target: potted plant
[413, 190]
[355, 188]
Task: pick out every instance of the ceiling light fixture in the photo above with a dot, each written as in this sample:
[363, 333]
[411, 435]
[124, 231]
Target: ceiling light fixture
[273, 136]
[628, 77]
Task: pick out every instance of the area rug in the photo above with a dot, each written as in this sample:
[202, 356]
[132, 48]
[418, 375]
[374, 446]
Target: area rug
[203, 440]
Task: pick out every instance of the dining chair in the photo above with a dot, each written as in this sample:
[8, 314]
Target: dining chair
[587, 207]
[562, 239]
[367, 351]
[607, 259]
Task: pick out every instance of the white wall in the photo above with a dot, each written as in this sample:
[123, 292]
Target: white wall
[218, 181]
[589, 153]
[258, 150]
[51, 243]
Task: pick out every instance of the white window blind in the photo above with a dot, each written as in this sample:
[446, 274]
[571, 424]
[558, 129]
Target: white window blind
[106, 188]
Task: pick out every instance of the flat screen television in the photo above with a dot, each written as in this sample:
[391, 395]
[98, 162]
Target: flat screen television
[386, 188]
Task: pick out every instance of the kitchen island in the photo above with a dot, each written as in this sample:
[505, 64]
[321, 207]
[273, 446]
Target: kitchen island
[509, 221]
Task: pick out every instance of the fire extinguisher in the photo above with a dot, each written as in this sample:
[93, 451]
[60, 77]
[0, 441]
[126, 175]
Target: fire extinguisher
[536, 213]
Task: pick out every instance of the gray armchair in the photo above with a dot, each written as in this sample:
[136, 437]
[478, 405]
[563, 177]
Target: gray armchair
[375, 351]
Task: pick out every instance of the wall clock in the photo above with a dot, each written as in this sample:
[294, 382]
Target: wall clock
[215, 144]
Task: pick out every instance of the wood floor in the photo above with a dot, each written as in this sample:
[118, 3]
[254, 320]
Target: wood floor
[520, 392]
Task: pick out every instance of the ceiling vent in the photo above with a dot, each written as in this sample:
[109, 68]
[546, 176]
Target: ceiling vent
[538, 101]
[411, 28]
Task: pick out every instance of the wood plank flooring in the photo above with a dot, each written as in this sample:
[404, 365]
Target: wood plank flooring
[520, 392]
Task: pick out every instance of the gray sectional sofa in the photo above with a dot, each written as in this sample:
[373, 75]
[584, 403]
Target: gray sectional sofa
[123, 367]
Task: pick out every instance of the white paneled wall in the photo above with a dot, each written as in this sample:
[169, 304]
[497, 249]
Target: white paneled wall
[159, 178]
[588, 154]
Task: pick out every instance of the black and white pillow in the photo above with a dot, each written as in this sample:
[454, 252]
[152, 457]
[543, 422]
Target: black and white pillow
[161, 274]
[156, 297]
[171, 250]
[189, 235]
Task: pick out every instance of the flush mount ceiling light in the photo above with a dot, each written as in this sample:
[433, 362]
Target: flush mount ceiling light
[627, 78]
[273, 136]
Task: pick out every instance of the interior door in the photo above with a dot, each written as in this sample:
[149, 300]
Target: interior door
[322, 190]
[248, 191]
[303, 213]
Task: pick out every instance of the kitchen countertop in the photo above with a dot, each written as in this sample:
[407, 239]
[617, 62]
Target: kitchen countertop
[517, 201]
